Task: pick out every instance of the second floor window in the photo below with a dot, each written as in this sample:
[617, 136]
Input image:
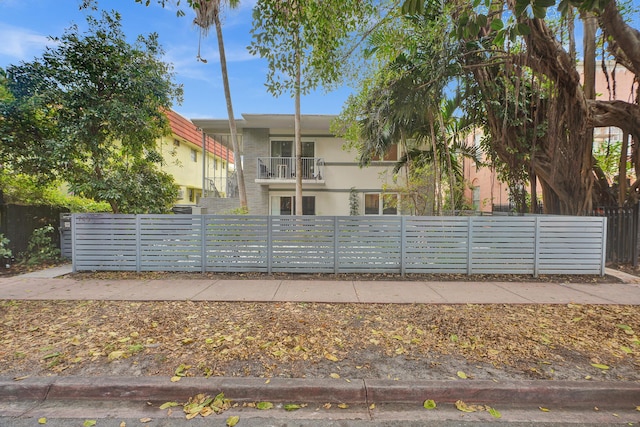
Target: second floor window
[194, 155]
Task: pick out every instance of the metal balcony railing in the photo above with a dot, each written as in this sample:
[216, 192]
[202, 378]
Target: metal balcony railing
[284, 168]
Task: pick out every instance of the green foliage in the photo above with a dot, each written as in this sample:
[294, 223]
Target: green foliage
[26, 190]
[90, 111]
[354, 202]
[309, 34]
[41, 248]
[5, 252]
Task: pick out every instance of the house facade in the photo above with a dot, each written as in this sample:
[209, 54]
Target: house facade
[199, 165]
[332, 180]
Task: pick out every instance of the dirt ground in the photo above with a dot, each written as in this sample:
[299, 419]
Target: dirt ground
[296, 340]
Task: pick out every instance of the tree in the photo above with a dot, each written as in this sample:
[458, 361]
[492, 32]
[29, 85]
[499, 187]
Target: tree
[303, 41]
[404, 103]
[208, 14]
[537, 112]
[94, 106]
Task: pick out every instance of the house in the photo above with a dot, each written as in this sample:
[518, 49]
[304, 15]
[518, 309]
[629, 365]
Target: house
[331, 176]
[192, 167]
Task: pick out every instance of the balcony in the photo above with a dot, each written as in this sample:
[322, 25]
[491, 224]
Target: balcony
[283, 170]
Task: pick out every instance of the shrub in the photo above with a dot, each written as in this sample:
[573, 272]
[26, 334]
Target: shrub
[41, 248]
[5, 252]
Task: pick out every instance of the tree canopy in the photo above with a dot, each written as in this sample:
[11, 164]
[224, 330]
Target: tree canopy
[89, 112]
[517, 66]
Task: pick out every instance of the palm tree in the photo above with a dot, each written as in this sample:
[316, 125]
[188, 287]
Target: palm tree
[208, 14]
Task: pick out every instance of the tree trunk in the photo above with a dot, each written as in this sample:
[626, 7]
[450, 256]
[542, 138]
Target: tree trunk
[298, 138]
[237, 155]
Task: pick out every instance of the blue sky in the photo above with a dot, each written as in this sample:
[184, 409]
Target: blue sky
[26, 24]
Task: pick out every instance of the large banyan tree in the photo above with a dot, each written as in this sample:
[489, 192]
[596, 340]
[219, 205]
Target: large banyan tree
[522, 67]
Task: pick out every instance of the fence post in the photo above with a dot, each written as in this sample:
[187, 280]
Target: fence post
[138, 244]
[336, 258]
[403, 236]
[536, 248]
[269, 244]
[203, 244]
[636, 230]
[604, 246]
[469, 245]
[73, 242]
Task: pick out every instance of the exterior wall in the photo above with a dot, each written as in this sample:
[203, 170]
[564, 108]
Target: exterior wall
[340, 173]
[256, 144]
[182, 152]
[484, 188]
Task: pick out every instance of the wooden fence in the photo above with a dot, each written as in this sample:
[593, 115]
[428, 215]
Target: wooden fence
[316, 244]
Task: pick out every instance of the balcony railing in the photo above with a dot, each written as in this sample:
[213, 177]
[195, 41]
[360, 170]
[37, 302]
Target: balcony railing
[284, 168]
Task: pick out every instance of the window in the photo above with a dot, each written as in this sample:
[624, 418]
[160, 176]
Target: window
[281, 148]
[194, 155]
[371, 204]
[176, 143]
[287, 149]
[286, 205]
[380, 204]
[390, 155]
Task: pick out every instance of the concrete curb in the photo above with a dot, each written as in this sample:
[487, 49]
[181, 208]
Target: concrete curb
[556, 394]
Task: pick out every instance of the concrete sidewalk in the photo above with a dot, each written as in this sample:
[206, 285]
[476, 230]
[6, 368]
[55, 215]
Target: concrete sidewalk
[46, 285]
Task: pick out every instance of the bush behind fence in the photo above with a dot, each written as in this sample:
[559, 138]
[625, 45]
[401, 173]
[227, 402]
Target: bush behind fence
[315, 244]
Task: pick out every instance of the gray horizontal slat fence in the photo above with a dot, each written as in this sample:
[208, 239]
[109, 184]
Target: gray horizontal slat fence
[368, 244]
[302, 244]
[502, 244]
[314, 244]
[436, 244]
[170, 242]
[104, 242]
[571, 245]
[237, 243]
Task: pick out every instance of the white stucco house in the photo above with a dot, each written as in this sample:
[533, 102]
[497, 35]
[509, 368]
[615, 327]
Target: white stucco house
[330, 171]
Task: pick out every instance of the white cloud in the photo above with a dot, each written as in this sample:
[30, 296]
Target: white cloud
[21, 44]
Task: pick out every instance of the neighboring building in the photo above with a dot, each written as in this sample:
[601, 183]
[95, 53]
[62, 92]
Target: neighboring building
[329, 171]
[484, 192]
[184, 160]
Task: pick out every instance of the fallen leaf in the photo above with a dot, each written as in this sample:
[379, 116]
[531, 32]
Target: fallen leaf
[372, 406]
[462, 375]
[145, 420]
[543, 409]
[114, 355]
[264, 405]
[233, 420]
[123, 424]
[168, 405]
[334, 375]
[429, 404]
[343, 406]
[175, 379]
[89, 423]
[464, 407]
[494, 412]
[331, 357]
[291, 407]
[600, 366]
[21, 378]
[42, 420]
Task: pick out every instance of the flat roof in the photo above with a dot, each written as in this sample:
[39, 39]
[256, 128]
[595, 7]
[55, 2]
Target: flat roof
[310, 123]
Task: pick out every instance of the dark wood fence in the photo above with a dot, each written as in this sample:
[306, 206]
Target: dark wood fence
[17, 223]
[622, 233]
